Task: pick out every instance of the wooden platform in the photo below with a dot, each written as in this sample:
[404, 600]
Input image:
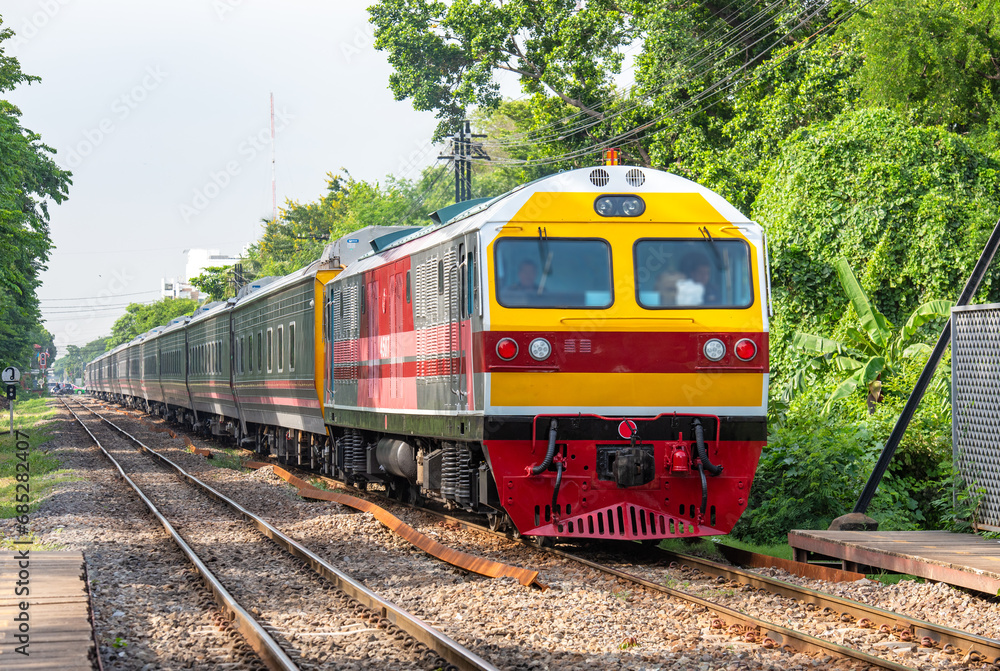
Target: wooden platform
[965, 560]
[60, 634]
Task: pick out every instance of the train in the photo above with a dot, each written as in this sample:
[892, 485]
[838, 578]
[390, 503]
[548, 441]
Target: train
[585, 356]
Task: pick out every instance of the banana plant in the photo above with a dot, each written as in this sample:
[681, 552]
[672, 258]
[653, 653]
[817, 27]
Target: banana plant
[867, 354]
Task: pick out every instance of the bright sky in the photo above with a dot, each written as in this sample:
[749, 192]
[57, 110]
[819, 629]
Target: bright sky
[161, 111]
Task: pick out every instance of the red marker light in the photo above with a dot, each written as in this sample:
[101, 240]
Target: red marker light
[506, 349]
[745, 349]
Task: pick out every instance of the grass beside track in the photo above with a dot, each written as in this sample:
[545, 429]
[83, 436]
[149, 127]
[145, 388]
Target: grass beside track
[33, 418]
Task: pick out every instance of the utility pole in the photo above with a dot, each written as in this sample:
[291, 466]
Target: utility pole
[463, 149]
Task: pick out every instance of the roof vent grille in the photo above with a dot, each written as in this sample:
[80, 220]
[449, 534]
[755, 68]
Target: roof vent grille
[635, 177]
[599, 177]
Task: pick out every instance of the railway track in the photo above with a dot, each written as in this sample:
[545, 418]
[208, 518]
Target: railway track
[835, 613]
[280, 611]
[956, 644]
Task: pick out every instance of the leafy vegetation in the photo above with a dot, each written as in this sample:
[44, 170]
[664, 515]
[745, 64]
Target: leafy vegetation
[29, 181]
[870, 353]
[139, 318]
[867, 143]
[70, 366]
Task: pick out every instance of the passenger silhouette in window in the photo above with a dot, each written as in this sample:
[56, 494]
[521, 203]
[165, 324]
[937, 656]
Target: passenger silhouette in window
[698, 287]
[666, 286]
[527, 277]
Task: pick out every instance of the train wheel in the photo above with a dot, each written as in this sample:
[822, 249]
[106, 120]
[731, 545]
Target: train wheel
[541, 541]
[398, 491]
[497, 521]
[414, 497]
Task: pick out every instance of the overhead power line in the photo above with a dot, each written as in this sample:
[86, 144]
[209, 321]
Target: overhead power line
[724, 85]
[99, 298]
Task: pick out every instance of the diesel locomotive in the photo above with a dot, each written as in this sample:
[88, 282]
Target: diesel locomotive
[585, 356]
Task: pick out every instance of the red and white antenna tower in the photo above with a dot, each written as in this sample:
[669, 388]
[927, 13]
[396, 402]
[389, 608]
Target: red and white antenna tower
[274, 188]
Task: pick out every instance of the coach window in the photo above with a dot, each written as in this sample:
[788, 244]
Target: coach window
[553, 273]
[407, 286]
[270, 350]
[693, 273]
[250, 352]
[291, 346]
[281, 348]
[260, 352]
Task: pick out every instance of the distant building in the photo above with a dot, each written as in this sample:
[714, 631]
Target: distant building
[197, 261]
[171, 288]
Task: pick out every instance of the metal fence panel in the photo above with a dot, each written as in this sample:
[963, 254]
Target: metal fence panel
[975, 398]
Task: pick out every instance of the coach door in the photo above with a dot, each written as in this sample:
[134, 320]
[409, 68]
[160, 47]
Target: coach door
[397, 284]
[458, 332]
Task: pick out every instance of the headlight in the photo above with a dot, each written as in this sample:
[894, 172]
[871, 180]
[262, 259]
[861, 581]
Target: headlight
[619, 206]
[631, 207]
[540, 349]
[714, 349]
[605, 207]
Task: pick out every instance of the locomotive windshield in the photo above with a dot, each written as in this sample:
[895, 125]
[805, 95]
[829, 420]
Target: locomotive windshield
[553, 273]
[693, 273]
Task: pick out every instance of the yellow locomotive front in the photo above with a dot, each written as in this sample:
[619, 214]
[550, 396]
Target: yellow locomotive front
[624, 356]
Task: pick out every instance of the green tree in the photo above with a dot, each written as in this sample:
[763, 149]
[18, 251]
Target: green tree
[216, 282]
[689, 58]
[29, 178]
[909, 207]
[140, 318]
[871, 353]
[70, 366]
[937, 60]
[297, 238]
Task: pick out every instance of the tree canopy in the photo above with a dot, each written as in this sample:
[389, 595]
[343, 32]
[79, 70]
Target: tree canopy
[140, 318]
[29, 180]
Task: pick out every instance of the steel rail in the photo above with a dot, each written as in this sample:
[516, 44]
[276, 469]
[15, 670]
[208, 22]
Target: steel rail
[256, 636]
[448, 649]
[920, 630]
[779, 636]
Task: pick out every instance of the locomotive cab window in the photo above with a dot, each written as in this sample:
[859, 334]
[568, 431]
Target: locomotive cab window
[693, 273]
[553, 273]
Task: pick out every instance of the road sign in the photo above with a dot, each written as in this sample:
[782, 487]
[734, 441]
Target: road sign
[11, 375]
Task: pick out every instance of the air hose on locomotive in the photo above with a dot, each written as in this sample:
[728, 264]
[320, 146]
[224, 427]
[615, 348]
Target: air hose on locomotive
[703, 463]
[550, 453]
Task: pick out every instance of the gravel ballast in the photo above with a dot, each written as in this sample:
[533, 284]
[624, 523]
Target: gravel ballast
[586, 620]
